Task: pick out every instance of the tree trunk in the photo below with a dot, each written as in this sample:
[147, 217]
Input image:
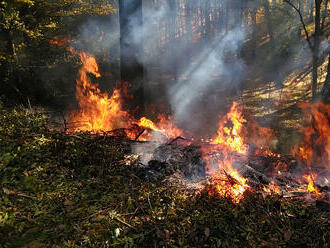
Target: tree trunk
[311, 12]
[324, 14]
[316, 46]
[173, 40]
[188, 32]
[254, 33]
[207, 14]
[326, 87]
[269, 25]
[131, 48]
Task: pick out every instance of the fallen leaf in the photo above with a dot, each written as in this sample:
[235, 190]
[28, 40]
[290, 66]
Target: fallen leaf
[207, 232]
[287, 236]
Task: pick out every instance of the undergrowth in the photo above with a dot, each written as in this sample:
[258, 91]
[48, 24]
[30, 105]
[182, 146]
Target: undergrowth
[59, 190]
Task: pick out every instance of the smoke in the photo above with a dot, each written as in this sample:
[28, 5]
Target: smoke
[98, 36]
[218, 64]
[215, 62]
[198, 61]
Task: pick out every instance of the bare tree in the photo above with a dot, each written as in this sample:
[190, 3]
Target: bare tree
[314, 44]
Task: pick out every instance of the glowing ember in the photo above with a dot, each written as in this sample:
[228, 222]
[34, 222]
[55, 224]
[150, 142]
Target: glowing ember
[272, 188]
[61, 42]
[311, 187]
[267, 152]
[230, 185]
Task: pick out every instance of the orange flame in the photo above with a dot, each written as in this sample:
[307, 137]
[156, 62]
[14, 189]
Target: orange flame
[100, 112]
[231, 185]
[61, 42]
[230, 136]
[315, 147]
[146, 123]
[164, 126]
[272, 188]
[311, 186]
[97, 111]
[228, 141]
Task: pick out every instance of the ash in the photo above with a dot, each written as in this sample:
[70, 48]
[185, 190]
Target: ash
[168, 159]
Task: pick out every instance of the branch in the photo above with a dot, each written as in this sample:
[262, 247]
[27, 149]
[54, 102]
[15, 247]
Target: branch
[302, 22]
[324, 17]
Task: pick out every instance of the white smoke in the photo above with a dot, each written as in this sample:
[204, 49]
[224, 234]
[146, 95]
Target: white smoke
[211, 64]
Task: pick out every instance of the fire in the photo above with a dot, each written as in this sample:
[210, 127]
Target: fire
[230, 144]
[311, 187]
[146, 123]
[102, 112]
[228, 141]
[230, 185]
[169, 128]
[97, 111]
[315, 147]
[236, 138]
[61, 42]
[165, 126]
[230, 136]
[272, 188]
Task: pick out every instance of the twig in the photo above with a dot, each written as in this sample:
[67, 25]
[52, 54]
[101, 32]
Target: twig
[64, 122]
[114, 217]
[125, 223]
[140, 133]
[302, 22]
[76, 136]
[177, 138]
[150, 203]
[29, 104]
[14, 193]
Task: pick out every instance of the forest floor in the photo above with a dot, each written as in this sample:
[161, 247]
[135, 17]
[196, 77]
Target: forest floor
[278, 107]
[60, 190]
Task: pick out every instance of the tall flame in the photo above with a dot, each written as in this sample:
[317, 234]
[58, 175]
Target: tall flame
[97, 111]
[231, 136]
[103, 112]
[315, 147]
[228, 141]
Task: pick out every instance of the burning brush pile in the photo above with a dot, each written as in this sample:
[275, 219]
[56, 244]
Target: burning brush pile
[239, 158]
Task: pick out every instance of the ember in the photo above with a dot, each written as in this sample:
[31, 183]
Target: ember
[311, 187]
